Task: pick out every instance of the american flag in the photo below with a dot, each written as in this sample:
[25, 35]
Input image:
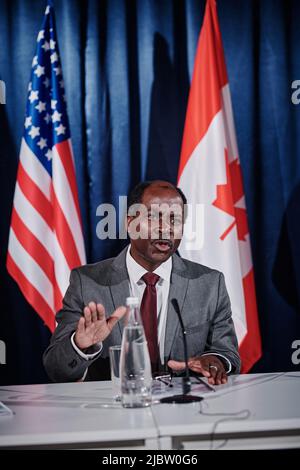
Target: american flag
[45, 239]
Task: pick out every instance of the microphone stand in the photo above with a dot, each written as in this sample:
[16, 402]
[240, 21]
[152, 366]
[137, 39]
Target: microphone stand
[186, 381]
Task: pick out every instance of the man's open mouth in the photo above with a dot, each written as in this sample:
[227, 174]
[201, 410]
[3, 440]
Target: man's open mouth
[163, 245]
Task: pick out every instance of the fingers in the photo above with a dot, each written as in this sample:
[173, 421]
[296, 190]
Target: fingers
[115, 317]
[92, 313]
[211, 367]
[81, 325]
[100, 312]
[91, 327]
[176, 365]
[119, 312]
[87, 315]
[96, 325]
[79, 337]
[213, 375]
[223, 377]
[214, 372]
[218, 377]
[197, 366]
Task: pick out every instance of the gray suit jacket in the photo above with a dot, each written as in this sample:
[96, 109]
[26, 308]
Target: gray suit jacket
[201, 296]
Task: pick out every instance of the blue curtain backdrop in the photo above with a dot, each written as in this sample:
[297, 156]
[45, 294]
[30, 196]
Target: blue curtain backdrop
[127, 67]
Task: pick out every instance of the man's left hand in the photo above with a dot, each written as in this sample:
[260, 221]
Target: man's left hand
[209, 366]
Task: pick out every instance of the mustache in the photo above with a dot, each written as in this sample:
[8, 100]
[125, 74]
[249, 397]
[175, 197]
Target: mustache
[164, 240]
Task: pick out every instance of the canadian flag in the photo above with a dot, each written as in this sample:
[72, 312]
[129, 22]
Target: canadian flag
[210, 175]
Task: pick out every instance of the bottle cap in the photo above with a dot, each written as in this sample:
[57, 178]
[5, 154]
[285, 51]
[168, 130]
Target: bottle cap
[132, 301]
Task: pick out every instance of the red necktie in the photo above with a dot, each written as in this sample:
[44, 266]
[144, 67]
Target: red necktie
[149, 317]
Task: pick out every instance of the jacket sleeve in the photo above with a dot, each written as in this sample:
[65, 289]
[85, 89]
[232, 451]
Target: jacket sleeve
[61, 361]
[222, 337]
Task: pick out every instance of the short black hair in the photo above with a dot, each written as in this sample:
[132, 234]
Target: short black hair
[136, 194]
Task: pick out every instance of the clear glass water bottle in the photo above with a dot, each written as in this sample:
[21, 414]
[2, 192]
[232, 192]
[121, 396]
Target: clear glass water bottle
[135, 366]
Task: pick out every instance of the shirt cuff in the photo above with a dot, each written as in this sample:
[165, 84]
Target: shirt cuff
[84, 375]
[223, 357]
[87, 357]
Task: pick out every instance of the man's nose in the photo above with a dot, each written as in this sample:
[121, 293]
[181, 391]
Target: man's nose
[165, 228]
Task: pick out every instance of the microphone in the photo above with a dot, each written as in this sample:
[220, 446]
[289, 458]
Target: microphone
[186, 381]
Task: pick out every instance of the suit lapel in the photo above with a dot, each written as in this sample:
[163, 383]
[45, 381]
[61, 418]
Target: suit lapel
[119, 283]
[119, 292]
[178, 288]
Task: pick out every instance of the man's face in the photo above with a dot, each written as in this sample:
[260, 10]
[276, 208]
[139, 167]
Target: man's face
[156, 230]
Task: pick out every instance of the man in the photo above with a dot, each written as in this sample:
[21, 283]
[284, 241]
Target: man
[91, 319]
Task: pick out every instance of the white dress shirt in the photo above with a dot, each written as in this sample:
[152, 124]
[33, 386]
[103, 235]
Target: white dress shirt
[137, 287]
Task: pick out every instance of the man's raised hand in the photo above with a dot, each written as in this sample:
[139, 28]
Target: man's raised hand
[93, 327]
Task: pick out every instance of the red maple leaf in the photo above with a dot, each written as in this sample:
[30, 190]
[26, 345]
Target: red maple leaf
[229, 194]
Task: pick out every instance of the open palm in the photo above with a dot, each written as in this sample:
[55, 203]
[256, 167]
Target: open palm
[93, 327]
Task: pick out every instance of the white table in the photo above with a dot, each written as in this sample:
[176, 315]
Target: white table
[81, 415]
[73, 415]
[254, 411]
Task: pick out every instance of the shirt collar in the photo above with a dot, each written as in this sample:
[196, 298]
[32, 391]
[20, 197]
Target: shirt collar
[136, 271]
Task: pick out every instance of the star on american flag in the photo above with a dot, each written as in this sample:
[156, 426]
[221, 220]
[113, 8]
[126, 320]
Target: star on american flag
[46, 108]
